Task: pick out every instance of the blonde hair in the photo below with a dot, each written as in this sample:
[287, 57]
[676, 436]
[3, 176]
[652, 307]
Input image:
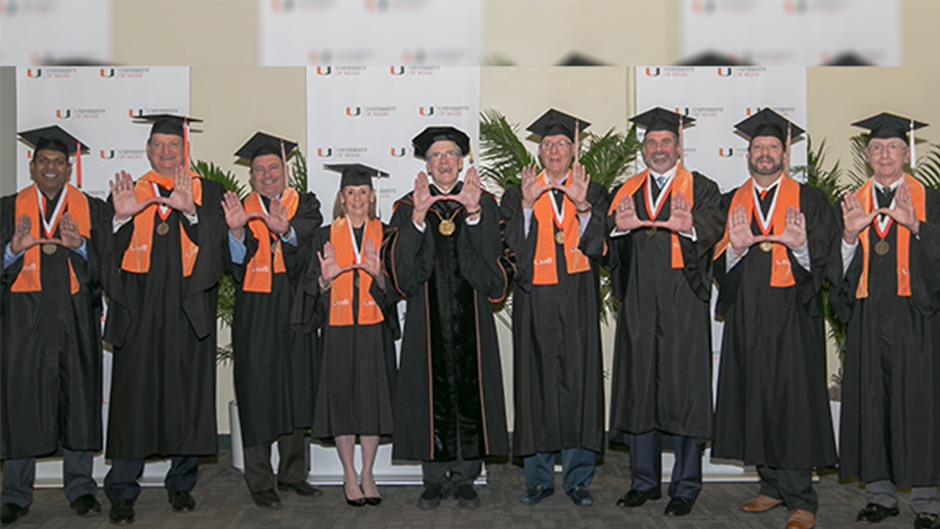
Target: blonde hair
[339, 206]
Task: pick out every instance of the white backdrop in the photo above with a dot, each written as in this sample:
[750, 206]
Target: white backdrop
[95, 104]
[793, 32]
[718, 98]
[369, 32]
[368, 115]
[34, 32]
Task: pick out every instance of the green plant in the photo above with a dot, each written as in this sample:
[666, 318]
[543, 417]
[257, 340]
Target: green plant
[226, 305]
[606, 158]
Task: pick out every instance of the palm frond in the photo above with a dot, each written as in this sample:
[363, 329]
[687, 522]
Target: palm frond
[503, 155]
[860, 167]
[816, 175]
[210, 171]
[928, 167]
[609, 156]
[298, 173]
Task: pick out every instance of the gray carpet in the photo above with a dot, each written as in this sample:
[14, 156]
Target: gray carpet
[223, 501]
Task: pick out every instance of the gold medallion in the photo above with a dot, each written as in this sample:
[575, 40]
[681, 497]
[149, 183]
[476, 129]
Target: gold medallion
[446, 227]
[766, 246]
[560, 237]
[651, 231]
[882, 247]
[49, 248]
[356, 281]
[163, 228]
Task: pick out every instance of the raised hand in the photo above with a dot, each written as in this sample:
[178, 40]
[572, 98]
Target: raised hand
[123, 198]
[235, 215]
[854, 218]
[626, 217]
[794, 231]
[276, 219]
[471, 191]
[182, 197]
[22, 238]
[577, 190]
[531, 188]
[328, 267]
[370, 259]
[68, 233]
[422, 198]
[903, 212]
[680, 215]
[739, 231]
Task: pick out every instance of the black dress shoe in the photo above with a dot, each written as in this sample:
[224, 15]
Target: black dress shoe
[874, 513]
[431, 498]
[11, 512]
[926, 521]
[581, 496]
[467, 497]
[536, 494]
[679, 507]
[302, 488]
[267, 499]
[635, 498]
[122, 512]
[181, 500]
[85, 504]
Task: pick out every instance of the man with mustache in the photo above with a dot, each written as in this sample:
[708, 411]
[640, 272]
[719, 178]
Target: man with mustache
[663, 224]
[50, 358]
[162, 283]
[772, 409]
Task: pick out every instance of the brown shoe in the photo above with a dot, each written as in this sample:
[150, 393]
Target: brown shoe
[761, 503]
[800, 519]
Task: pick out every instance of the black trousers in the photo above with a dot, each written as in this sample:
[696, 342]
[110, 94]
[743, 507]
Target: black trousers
[121, 481]
[646, 471]
[291, 468]
[793, 486]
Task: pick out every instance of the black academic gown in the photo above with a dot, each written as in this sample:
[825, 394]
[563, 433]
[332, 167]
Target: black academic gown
[50, 358]
[163, 329]
[273, 364]
[450, 379]
[558, 368]
[663, 349]
[773, 404]
[356, 365]
[891, 380]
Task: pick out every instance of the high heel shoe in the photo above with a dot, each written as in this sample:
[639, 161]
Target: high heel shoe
[375, 502]
[358, 502]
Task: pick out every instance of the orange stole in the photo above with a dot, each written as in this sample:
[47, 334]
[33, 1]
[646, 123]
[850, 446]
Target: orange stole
[543, 266]
[682, 181]
[788, 194]
[137, 256]
[341, 295]
[76, 203]
[258, 272]
[903, 237]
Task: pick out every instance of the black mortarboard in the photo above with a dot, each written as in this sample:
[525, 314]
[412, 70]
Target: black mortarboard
[661, 119]
[422, 142]
[886, 125]
[167, 123]
[554, 122]
[768, 123]
[713, 58]
[262, 144]
[355, 174]
[54, 138]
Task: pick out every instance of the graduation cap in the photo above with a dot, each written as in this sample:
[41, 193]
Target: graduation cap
[887, 125]
[768, 123]
[55, 138]
[168, 123]
[661, 119]
[554, 122]
[355, 174]
[262, 144]
[423, 141]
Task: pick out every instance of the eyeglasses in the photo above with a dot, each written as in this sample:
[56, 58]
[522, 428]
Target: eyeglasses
[893, 149]
[446, 154]
[549, 145]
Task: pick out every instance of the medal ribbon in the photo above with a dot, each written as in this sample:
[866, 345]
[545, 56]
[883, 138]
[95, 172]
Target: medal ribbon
[50, 227]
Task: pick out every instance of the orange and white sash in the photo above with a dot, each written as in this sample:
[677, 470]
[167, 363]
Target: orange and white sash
[347, 253]
[543, 266]
[258, 271]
